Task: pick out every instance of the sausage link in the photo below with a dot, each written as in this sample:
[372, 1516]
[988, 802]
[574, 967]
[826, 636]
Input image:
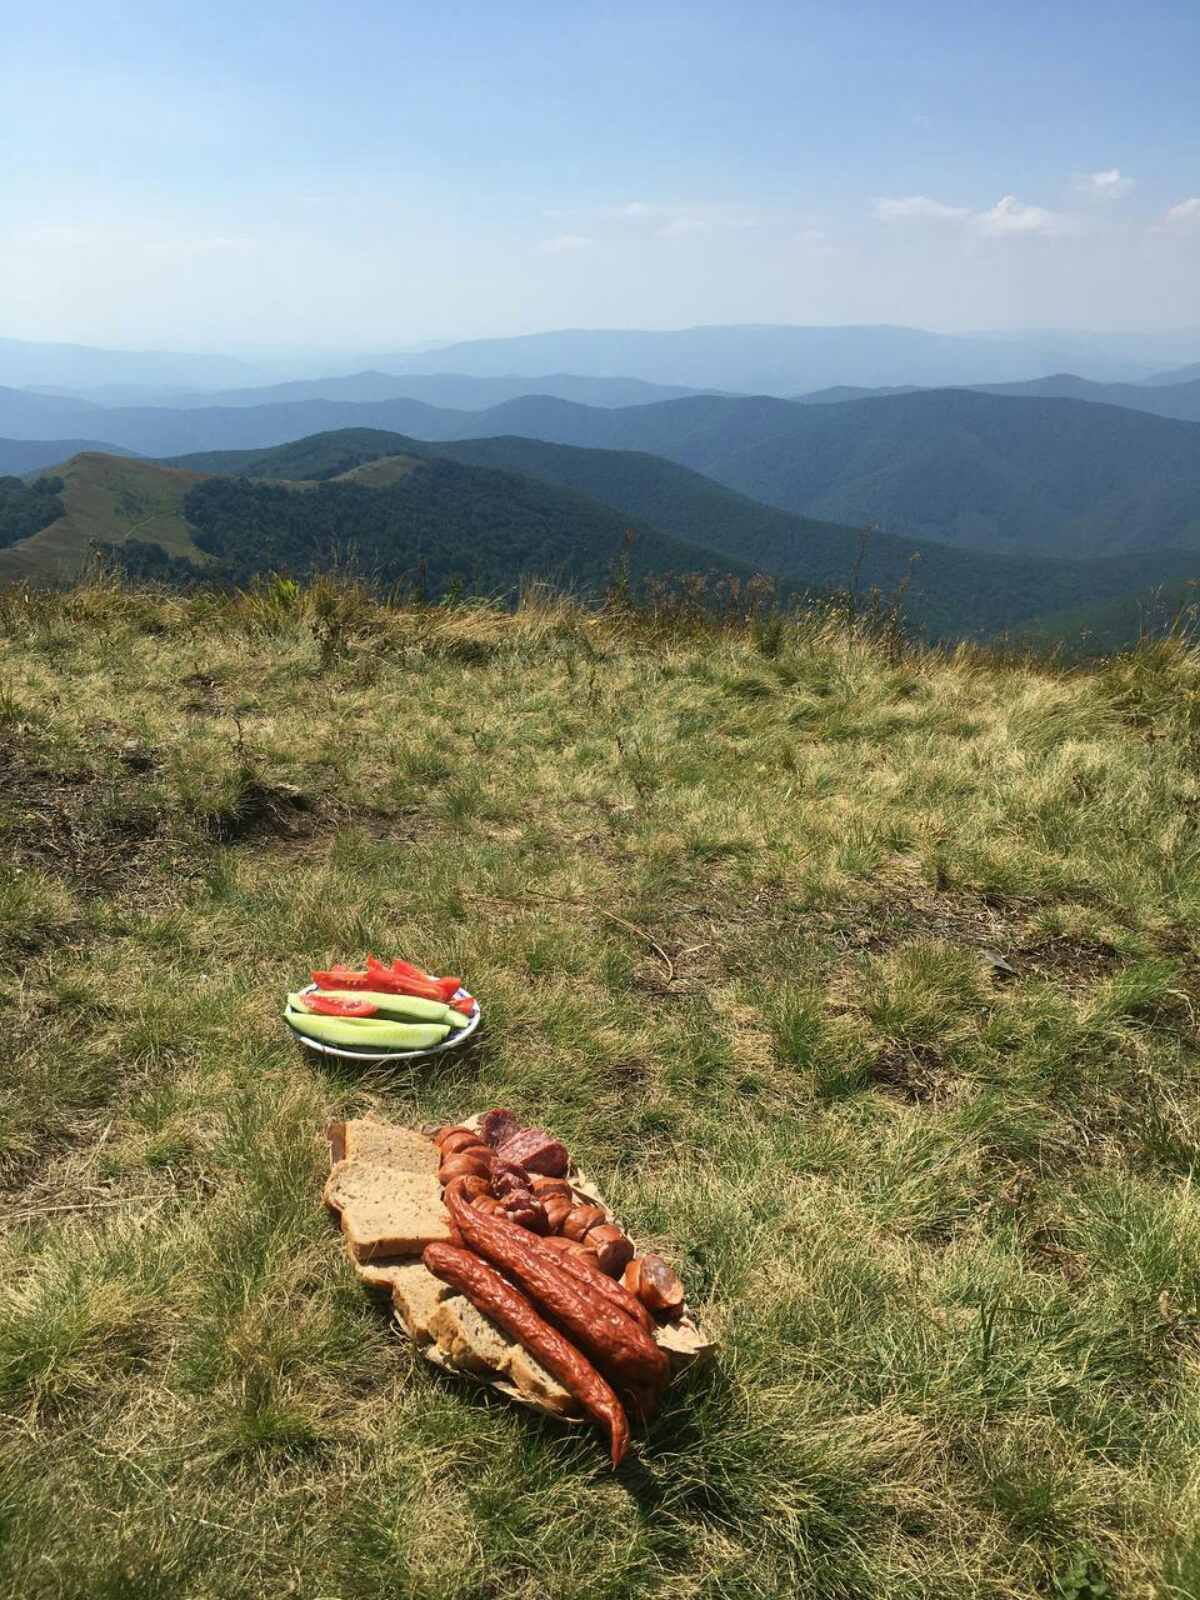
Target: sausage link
[612, 1249]
[467, 1165]
[460, 1139]
[544, 1188]
[582, 1262]
[609, 1336]
[655, 1284]
[469, 1187]
[490, 1293]
[556, 1208]
[580, 1218]
[440, 1135]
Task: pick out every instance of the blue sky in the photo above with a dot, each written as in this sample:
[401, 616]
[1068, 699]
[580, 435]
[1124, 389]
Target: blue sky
[373, 175]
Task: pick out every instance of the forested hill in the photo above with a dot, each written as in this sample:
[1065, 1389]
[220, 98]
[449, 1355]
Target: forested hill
[437, 525]
[950, 593]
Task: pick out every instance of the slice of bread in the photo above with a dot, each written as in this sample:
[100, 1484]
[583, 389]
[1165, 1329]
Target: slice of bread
[536, 1384]
[471, 1341]
[386, 1210]
[416, 1295]
[383, 1141]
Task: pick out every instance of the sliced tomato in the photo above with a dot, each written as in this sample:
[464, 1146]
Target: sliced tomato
[448, 986]
[407, 970]
[340, 977]
[329, 1007]
[388, 981]
[466, 1005]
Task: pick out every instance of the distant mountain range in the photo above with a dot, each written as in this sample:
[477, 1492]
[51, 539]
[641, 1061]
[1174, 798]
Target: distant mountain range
[756, 359]
[780, 360]
[1179, 399]
[450, 389]
[20, 456]
[1176, 375]
[1009, 474]
[25, 362]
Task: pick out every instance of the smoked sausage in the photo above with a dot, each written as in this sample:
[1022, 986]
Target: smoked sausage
[613, 1250]
[469, 1187]
[490, 1293]
[577, 1258]
[460, 1139]
[655, 1284]
[467, 1165]
[580, 1218]
[591, 1319]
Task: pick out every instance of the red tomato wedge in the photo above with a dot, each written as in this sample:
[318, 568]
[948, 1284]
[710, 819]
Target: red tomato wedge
[388, 981]
[329, 1007]
[343, 978]
[466, 1005]
[407, 970]
[401, 977]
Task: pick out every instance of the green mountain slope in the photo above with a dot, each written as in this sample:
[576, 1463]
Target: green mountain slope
[1180, 398]
[1102, 628]
[952, 593]
[1061, 477]
[107, 500]
[442, 522]
[318, 456]
[1055, 477]
[397, 516]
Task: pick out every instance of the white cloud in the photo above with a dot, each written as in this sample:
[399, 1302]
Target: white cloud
[1111, 184]
[918, 207]
[565, 244]
[1008, 217]
[1184, 215]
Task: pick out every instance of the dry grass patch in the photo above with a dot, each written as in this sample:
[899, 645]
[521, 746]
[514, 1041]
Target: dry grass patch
[865, 984]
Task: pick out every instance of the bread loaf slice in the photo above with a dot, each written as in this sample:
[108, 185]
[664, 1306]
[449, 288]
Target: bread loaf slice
[368, 1137]
[536, 1384]
[416, 1295]
[386, 1210]
[471, 1341]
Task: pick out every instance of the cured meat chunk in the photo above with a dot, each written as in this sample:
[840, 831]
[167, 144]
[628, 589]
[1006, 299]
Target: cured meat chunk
[507, 1176]
[497, 1126]
[536, 1151]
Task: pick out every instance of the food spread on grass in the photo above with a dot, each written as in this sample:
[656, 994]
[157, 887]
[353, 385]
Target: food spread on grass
[503, 1262]
[381, 1008]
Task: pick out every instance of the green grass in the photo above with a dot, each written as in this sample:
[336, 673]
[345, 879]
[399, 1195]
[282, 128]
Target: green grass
[733, 901]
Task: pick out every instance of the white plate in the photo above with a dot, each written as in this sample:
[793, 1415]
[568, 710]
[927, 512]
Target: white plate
[460, 1036]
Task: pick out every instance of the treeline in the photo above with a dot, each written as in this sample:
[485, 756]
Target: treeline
[27, 508]
[442, 528]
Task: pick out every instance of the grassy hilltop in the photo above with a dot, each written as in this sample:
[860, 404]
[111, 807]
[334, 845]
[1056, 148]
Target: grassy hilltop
[863, 980]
